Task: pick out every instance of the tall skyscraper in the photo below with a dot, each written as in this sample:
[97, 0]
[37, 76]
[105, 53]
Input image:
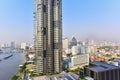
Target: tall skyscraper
[48, 35]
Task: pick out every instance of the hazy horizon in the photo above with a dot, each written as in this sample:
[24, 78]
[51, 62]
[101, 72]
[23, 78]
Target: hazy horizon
[96, 19]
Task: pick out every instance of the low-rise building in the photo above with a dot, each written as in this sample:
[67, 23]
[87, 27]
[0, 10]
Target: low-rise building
[66, 63]
[79, 60]
[102, 71]
[76, 61]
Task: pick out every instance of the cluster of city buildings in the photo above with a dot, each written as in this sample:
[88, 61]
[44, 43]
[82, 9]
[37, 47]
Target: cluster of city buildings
[14, 45]
[52, 54]
[92, 50]
[99, 60]
[102, 58]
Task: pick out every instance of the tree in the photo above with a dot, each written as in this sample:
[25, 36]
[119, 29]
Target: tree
[14, 77]
[82, 77]
[27, 56]
[19, 78]
[26, 71]
[31, 74]
[78, 69]
[67, 70]
[69, 55]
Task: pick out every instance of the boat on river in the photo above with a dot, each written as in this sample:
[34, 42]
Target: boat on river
[8, 56]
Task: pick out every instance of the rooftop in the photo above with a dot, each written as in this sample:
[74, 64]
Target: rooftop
[101, 66]
[41, 78]
[63, 76]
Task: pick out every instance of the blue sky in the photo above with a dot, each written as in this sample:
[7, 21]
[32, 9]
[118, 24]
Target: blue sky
[95, 19]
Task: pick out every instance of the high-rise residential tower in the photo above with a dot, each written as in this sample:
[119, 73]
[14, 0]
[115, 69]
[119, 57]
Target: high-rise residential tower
[48, 35]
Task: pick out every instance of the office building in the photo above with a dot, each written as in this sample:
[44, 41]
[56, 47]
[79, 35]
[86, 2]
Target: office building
[73, 42]
[75, 50]
[48, 36]
[23, 46]
[65, 43]
[81, 48]
[13, 45]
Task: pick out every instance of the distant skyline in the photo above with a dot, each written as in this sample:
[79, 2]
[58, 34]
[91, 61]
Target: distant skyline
[94, 19]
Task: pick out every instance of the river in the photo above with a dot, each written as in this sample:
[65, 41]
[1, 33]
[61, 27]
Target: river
[9, 66]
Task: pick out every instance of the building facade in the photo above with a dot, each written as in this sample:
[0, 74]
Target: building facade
[80, 60]
[75, 50]
[48, 35]
[23, 46]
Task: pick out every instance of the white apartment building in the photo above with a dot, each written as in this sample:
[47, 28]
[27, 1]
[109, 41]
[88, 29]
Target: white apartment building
[78, 60]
